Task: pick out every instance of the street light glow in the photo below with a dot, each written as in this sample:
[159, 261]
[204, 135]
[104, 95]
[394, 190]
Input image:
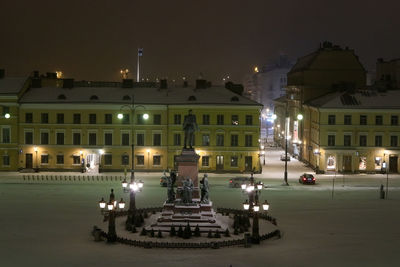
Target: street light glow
[7, 115]
[120, 116]
[300, 117]
[145, 116]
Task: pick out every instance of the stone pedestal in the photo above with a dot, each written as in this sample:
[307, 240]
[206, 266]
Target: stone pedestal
[195, 213]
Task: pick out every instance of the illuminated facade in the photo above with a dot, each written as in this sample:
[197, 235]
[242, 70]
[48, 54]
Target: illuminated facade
[65, 125]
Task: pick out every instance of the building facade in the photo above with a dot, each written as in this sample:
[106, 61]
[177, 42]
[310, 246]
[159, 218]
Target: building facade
[67, 125]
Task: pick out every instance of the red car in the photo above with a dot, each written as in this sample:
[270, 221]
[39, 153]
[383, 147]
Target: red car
[307, 178]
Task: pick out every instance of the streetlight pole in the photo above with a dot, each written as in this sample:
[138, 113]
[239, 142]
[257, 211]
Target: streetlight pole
[112, 205]
[133, 186]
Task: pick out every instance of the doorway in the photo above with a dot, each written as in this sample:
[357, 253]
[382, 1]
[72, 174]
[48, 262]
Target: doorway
[347, 163]
[28, 161]
[92, 163]
[393, 164]
[248, 163]
[220, 163]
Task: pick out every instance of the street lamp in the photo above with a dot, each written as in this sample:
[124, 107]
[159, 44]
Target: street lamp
[124, 73]
[36, 158]
[109, 209]
[253, 206]
[133, 184]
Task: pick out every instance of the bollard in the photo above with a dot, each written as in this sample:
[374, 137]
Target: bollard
[381, 192]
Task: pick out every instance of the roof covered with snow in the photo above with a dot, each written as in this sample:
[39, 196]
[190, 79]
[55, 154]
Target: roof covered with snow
[12, 85]
[361, 99]
[149, 95]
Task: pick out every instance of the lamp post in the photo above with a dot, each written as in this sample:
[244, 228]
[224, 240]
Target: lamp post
[36, 159]
[133, 186]
[252, 205]
[112, 206]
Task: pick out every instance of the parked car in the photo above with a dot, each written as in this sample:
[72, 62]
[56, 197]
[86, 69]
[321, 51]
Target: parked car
[307, 178]
[283, 157]
[238, 181]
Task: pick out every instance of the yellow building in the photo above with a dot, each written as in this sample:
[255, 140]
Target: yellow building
[68, 125]
[353, 132]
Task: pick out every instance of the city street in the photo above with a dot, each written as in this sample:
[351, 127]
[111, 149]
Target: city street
[48, 223]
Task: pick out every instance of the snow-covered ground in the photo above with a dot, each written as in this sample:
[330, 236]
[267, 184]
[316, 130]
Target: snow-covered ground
[48, 223]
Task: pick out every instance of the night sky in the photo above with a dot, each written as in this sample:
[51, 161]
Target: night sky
[93, 40]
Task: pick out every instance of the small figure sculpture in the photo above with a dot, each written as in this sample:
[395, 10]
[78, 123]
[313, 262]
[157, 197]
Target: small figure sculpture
[204, 189]
[170, 186]
[187, 190]
[189, 126]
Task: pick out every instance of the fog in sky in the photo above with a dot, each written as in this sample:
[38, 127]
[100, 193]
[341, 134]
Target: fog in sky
[93, 40]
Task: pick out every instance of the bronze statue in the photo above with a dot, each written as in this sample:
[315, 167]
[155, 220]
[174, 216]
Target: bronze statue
[189, 126]
[187, 190]
[204, 189]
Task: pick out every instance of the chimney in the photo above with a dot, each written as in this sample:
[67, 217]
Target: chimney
[163, 84]
[2, 73]
[201, 84]
[68, 83]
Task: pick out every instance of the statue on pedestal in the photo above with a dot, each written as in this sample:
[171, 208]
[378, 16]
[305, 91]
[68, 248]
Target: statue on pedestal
[204, 189]
[189, 126]
[170, 187]
[187, 190]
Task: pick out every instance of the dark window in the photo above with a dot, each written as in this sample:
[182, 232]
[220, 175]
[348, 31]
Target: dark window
[6, 135]
[363, 119]
[347, 140]
[248, 140]
[156, 160]
[363, 140]
[28, 117]
[393, 140]
[156, 139]
[347, 119]
[125, 119]
[77, 118]
[394, 120]
[6, 160]
[44, 138]
[157, 119]
[44, 159]
[177, 139]
[249, 120]
[60, 159]
[140, 160]
[206, 119]
[140, 139]
[177, 119]
[125, 160]
[206, 140]
[76, 139]
[220, 119]
[92, 139]
[234, 140]
[234, 161]
[378, 140]
[125, 139]
[331, 119]
[44, 118]
[6, 110]
[76, 160]
[378, 120]
[29, 138]
[60, 138]
[108, 118]
[205, 161]
[92, 118]
[235, 120]
[331, 140]
[60, 118]
[108, 139]
[140, 119]
[220, 140]
[107, 159]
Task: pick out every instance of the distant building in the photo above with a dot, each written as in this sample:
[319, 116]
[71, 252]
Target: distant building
[388, 73]
[62, 124]
[328, 69]
[266, 84]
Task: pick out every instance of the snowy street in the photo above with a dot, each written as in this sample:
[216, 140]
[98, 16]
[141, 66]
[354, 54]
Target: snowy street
[48, 223]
